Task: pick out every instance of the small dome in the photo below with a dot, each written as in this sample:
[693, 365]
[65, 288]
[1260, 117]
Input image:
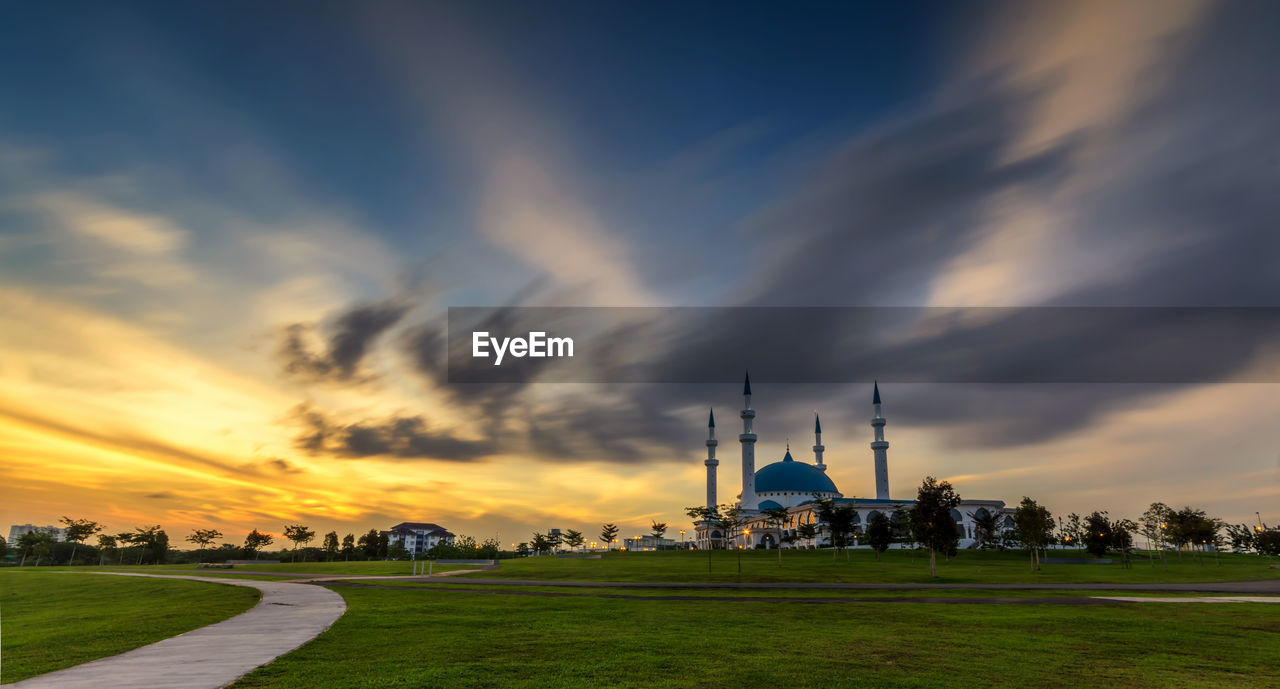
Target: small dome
[792, 476]
[769, 505]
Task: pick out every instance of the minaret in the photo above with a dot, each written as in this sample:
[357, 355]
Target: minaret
[817, 443]
[881, 448]
[748, 440]
[711, 462]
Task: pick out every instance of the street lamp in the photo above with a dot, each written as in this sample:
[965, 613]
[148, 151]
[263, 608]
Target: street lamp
[682, 538]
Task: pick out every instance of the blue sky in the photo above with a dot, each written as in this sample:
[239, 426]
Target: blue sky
[228, 234]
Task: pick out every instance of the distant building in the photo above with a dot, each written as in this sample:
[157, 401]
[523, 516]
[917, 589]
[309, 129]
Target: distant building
[418, 537]
[16, 532]
[648, 542]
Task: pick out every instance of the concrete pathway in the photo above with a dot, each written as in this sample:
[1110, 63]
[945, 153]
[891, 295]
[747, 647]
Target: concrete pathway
[1192, 598]
[288, 616]
[826, 600]
[1258, 586]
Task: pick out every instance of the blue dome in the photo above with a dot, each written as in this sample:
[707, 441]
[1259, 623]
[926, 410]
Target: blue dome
[792, 476]
[769, 505]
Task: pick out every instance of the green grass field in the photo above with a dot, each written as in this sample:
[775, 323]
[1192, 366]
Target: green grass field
[427, 638]
[802, 593]
[372, 567]
[53, 620]
[442, 634]
[861, 566]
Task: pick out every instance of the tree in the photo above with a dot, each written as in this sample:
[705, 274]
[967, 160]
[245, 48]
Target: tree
[730, 520]
[710, 517]
[153, 541]
[76, 531]
[1190, 526]
[839, 521]
[348, 546]
[608, 533]
[331, 545]
[1153, 524]
[986, 529]
[384, 542]
[368, 544]
[34, 543]
[1097, 536]
[1268, 542]
[931, 520]
[398, 552]
[256, 541]
[808, 532]
[1034, 525]
[522, 549]
[106, 546]
[1241, 537]
[901, 520]
[541, 543]
[777, 518]
[657, 528]
[1122, 538]
[4, 547]
[554, 539]
[489, 549]
[204, 537]
[879, 533]
[299, 534]
[574, 539]
[1072, 531]
[125, 538]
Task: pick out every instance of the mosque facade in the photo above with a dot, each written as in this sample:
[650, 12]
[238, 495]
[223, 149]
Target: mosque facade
[799, 486]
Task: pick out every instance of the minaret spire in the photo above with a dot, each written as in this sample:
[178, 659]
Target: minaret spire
[817, 442]
[711, 462]
[881, 448]
[748, 439]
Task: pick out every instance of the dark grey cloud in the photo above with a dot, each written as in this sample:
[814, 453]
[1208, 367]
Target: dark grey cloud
[349, 338]
[884, 216]
[880, 219]
[398, 437]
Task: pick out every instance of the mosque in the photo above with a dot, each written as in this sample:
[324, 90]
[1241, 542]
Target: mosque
[798, 486]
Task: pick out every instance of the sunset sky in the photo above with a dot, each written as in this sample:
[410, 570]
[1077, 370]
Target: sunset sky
[229, 233]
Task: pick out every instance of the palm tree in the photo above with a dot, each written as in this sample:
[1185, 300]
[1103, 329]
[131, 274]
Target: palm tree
[658, 528]
[711, 517]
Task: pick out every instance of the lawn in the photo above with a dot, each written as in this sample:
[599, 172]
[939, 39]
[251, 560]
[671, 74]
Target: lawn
[371, 567]
[52, 621]
[425, 638]
[861, 566]
[790, 593]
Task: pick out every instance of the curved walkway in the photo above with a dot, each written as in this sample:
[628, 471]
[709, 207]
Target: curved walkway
[288, 616]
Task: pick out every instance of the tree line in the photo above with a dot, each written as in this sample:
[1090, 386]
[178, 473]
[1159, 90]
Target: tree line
[931, 524]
